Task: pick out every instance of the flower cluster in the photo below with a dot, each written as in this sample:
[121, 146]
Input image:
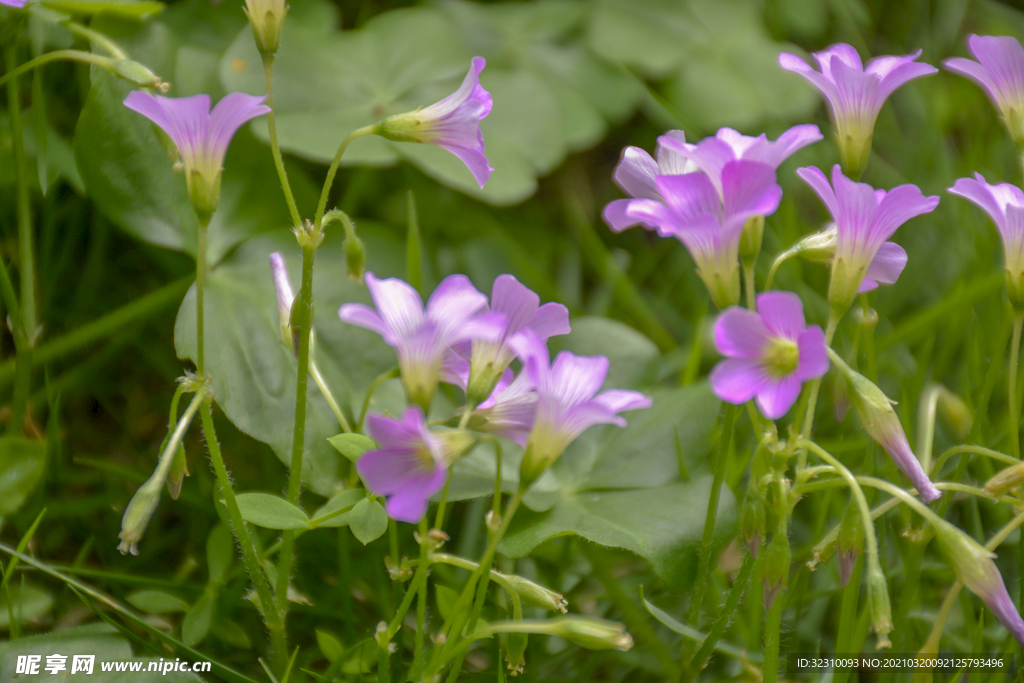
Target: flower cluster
[460, 338]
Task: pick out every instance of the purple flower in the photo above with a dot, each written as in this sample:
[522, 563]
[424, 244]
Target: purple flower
[14, 3]
[1005, 204]
[566, 401]
[514, 307]
[884, 269]
[636, 175]
[202, 136]
[710, 224]
[865, 218]
[770, 353]
[423, 337]
[854, 94]
[1000, 70]
[710, 155]
[410, 466]
[453, 123]
[509, 410]
[285, 298]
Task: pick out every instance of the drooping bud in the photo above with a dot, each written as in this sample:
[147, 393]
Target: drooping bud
[515, 652]
[536, 594]
[355, 256]
[266, 18]
[179, 470]
[750, 240]
[976, 570]
[590, 632]
[881, 422]
[778, 557]
[878, 600]
[137, 74]
[850, 541]
[753, 524]
[138, 513]
[285, 299]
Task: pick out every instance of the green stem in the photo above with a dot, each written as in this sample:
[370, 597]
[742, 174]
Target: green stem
[1018, 322]
[748, 285]
[779, 260]
[967, 448]
[302, 315]
[26, 251]
[926, 424]
[634, 617]
[275, 148]
[333, 170]
[739, 587]
[726, 422]
[383, 377]
[314, 372]
[773, 623]
[56, 55]
[268, 608]
[812, 400]
[200, 286]
[421, 603]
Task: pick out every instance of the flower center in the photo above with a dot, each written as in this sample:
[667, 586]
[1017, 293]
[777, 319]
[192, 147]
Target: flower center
[781, 356]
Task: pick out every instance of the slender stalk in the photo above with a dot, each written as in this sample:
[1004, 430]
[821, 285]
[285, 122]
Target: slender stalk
[200, 287]
[748, 285]
[268, 608]
[54, 56]
[739, 587]
[275, 148]
[303, 317]
[1018, 322]
[314, 372]
[383, 377]
[26, 251]
[968, 448]
[726, 421]
[926, 424]
[773, 623]
[333, 170]
[812, 394]
[421, 603]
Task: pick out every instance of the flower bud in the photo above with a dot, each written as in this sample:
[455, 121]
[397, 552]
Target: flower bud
[750, 240]
[137, 515]
[880, 421]
[537, 595]
[515, 651]
[137, 74]
[285, 299]
[881, 611]
[1005, 480]
[776, 568]
[355, 256]
[753, 524]
[850, 541]
[179, 470]
[591, 632]
[267, 19]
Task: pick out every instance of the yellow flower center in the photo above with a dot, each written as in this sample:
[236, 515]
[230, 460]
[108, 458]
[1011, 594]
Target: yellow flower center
[781, 357]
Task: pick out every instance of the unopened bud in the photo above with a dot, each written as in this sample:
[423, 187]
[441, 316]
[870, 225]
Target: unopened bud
[267, 19]
[137, 74]
[750, 240]
[850, 541]
[355, 257]
[591, 632]
[137, 515]
[492, 520]
[285, 299]
[515, 651]
[776, 568]
[880, 421]
[536, 594]
[1005, 480]
[753, 524]
[178, 472]
[881, 611]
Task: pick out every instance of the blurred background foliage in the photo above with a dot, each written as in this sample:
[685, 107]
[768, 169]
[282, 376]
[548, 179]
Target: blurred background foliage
[573, 82]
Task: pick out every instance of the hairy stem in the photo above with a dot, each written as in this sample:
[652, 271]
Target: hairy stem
[275, 148]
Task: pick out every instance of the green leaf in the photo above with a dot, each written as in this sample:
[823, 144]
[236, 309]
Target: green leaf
[330, 646]
[197, 622]
[156, 602]
[352, 446]
[220, 552]
[446, 599]
[232, 634]
[346, 499]
[22, 463]
[100, 640]
[254, 374]
[29, 604]
[368, 521]
[271, 512]
[126, 8]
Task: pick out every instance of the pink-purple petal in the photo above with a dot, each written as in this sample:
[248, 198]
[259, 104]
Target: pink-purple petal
[740, 333]
[575, 379]
[517, 301]
[410, 499]
[778, 396]
[551, 320]
[689, 196]
[363, 316]
[813, 176]
[737, 380]
[813, 354]
[398, 304]
[454, 300]
[749, 188]
[635, 174]
[886, 267]
[782, 313]
[899, 206]
[228, 115]
[620, 400]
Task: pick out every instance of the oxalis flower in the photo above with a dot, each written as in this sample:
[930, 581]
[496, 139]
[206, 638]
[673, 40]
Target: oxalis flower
[514, 307]
[509, 410]
[856, 94]
[708, 223]
[453, 123]
[865, 218]
[770, 353]
[566, 401]
[1005, 205]
[202, 136]
[711, 155]
[820, 247]
[14, 3]
[410, 466]
[1000, 70]
[636, 173]
[423, 337]
[266, 18]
